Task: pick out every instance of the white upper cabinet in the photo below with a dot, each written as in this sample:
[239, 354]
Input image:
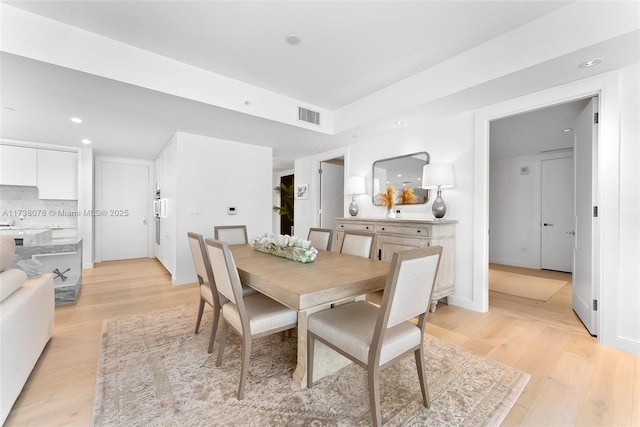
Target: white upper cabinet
[57, 175]
[17, 165]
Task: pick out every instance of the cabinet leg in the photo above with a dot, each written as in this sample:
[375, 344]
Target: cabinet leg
[434, 303]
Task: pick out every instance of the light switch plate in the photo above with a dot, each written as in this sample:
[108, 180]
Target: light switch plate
[194, 211]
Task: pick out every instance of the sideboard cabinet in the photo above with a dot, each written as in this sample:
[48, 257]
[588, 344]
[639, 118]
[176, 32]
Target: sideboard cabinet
[395, 235]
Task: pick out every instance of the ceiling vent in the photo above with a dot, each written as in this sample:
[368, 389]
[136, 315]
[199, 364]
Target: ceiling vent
[308, 116]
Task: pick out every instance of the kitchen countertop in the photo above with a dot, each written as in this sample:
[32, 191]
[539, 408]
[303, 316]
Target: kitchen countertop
[38, 237]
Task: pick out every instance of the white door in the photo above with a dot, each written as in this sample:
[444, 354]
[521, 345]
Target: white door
[585, 283]
[557, 225]
[331, 193]
[124, 210]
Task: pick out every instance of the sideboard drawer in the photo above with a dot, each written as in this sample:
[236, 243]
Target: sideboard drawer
[417, 231]
[356, 226]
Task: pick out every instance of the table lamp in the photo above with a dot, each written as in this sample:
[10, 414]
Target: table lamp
[355, 186]
[438, 176]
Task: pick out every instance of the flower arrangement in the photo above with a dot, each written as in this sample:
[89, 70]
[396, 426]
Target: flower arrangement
[407, 197]
[285, 246]
[388, 198]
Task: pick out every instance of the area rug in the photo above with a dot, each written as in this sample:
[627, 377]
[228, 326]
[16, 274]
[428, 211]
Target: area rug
[153, 371]
[520, 285]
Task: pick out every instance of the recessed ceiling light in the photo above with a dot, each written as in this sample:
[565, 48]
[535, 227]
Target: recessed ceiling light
[567, 130]
[86, 141]
[9, 108]
[590, 63]
[292, 39]
[399, 122]
[76, 119]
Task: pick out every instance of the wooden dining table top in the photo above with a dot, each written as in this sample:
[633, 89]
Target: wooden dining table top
[331, 277]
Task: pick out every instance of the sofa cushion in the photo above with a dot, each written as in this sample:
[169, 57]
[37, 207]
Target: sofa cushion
[7, 250]
[10, 281]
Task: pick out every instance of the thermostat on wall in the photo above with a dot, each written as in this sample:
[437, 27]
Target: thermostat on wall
[231, 211]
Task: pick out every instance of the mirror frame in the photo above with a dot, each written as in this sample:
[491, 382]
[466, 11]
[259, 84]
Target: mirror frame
[373, 178]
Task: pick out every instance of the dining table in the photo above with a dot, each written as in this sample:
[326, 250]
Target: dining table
[331, 279]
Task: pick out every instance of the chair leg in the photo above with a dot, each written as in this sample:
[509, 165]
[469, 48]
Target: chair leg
[246, 355]
[223, 341]
[214, 328]
[419, 354]
[200, 311]
[374, 396]
[310, 353]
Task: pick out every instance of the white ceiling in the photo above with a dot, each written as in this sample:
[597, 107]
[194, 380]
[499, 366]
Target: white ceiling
[349, 50]
[542, 130]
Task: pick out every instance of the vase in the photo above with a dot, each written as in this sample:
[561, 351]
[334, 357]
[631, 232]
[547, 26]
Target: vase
[391, 214]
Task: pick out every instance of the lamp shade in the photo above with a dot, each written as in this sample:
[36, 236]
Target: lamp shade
[356, 185]
[438, 175]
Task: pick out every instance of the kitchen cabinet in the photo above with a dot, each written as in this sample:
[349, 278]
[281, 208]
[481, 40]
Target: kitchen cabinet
[395, 235]
[57, 174]
[17, 165]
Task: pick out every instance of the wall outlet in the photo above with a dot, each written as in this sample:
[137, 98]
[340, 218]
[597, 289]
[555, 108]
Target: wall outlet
[231, 211]
[398, 213]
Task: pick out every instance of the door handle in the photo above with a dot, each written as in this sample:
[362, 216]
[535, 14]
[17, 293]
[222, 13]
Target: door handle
[546, 224]
[144, 220]
[573, 233]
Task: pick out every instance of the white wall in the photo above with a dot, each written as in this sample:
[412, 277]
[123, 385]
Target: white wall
[628, 299]
[212, 175]
[514, 212]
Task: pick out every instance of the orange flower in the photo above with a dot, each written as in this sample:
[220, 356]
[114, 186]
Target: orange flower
[408, 197]
[388, 198]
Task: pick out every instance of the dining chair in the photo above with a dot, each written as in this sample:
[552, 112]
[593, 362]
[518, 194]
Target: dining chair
[375, 337]
[320, 238]
[358, 243]
[208, 291]
[232, 234]
[250, 316]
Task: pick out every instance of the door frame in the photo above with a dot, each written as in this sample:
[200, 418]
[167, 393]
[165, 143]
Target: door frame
[606, 87]
[99, 160]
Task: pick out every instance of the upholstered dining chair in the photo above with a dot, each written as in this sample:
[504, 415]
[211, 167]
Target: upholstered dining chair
[320, 238]
[232, 234]
[250, 316]
[208, 291]
[358, 243]
[375, 337]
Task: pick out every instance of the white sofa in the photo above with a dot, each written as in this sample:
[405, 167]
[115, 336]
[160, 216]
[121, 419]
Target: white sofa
[26, 324]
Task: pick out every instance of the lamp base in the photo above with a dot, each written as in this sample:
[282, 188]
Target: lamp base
[439, 207]
[353, 207]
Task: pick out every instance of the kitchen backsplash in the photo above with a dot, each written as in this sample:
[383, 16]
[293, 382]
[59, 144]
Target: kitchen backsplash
[21, 204]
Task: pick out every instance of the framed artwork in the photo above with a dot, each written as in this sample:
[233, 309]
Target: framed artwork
[302, 191]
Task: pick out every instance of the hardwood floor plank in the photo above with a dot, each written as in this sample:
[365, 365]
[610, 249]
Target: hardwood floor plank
[559, 400]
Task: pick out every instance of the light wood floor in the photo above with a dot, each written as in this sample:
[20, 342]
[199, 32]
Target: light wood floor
[574, 381]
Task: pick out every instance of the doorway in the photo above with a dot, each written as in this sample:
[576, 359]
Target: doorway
[331, 185]
[536, 188]
[286, 201]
